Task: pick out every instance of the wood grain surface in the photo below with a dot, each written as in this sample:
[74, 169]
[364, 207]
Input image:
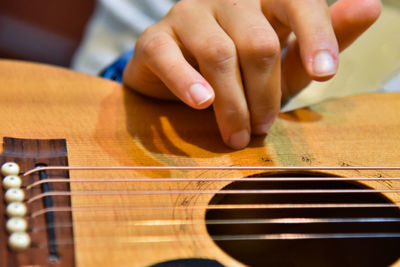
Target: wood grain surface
[106, 124]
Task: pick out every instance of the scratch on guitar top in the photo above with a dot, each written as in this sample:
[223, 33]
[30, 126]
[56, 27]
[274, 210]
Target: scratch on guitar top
[200, 184]
[306, 159]
[200, 175]
[265, 159]
[185, 202]
[347, 165]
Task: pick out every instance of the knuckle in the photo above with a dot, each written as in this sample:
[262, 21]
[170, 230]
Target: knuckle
[293, 5]
[182, 11]
[179, 8]
[263, 48]
[152, 44]
[218, 52]
[236, 113]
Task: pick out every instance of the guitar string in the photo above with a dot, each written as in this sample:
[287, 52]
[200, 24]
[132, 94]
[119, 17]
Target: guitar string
[286, 236]
[222, 180]
[208, 192]
[41, 168]
[140, 240]
[177, 222]
[165, 208]
[251, 206]
[158, 239]
[246, 179]
[245, 221]
[215, 168]
[256, 237]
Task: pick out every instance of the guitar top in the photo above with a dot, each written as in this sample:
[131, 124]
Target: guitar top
[121, 217]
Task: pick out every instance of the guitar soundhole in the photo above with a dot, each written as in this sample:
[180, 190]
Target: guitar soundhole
[366, 251]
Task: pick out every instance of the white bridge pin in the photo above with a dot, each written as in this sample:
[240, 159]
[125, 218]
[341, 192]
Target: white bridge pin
[10, 168]
[12, 181]
[16, 209]
[14, 195]
[16, 224]
[19, 241]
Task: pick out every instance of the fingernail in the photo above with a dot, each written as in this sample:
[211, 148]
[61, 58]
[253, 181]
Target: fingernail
[262, 128]
[240, 139]
[324, 64]
[199, 93]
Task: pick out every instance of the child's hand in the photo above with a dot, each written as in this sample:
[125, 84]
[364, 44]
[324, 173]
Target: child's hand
[229, 53]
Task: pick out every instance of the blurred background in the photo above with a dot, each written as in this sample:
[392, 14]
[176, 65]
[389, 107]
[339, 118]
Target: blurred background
[49, 31]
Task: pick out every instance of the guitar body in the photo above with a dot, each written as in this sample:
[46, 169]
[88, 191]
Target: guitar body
[105, 124]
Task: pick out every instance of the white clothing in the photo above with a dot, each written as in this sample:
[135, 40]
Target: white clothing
[114, 28]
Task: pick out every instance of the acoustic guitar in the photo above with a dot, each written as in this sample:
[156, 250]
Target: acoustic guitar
[97, 175]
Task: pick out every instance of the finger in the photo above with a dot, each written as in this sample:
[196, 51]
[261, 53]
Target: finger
[350, 18]
[216, 55]
[259, 56]
[159, 53]
[310, 22]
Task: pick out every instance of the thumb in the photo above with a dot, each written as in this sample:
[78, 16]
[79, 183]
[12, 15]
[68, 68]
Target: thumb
[350, 18]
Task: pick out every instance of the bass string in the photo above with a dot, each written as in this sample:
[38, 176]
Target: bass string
[179, 180]
[215, 168]
[166, 208]
[140, 240]
[178, 222]
[208, 192]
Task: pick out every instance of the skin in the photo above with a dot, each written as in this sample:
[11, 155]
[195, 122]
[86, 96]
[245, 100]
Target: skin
[239, 56]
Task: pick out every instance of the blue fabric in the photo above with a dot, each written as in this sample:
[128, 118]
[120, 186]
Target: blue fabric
[116, 69]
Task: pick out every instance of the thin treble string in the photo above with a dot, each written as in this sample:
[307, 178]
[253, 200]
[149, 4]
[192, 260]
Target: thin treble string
[137, 240]
[249, 179]
[176, 222]
[216, 168]
[86, 209]
[207, 192]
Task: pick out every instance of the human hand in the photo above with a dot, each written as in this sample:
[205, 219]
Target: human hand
[229, 53]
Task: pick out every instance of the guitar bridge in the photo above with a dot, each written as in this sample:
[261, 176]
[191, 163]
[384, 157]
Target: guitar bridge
[45, 248]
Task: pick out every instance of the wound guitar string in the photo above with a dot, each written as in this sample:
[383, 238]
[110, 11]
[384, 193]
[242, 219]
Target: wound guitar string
[169, 191]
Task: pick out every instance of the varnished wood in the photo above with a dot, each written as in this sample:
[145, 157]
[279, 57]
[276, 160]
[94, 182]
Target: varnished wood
[106, 124]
